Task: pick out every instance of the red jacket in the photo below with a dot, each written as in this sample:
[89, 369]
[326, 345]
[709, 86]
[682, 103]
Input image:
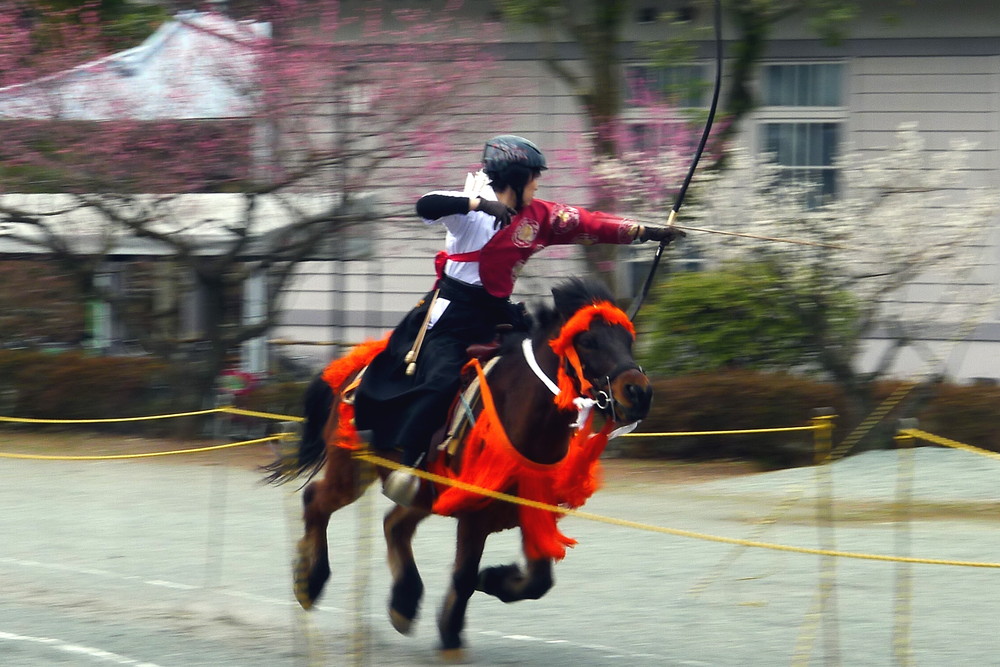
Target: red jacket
[537, 226]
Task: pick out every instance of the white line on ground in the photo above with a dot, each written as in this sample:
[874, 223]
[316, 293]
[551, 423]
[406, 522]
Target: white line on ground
[609, 650]
[66, 647]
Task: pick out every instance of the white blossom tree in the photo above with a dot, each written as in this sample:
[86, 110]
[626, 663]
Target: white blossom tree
[907, 238]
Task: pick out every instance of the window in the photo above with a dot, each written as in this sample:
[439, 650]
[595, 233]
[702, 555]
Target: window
[806, 152]
[801, 123]
[663, 110]
[658, 105]
[681, 85]
[814, 85]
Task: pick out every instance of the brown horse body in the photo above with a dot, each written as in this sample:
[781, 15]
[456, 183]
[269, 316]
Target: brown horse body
[537, 429]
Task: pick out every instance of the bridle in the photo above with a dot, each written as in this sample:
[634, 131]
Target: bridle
[605, 400]
[573, 389]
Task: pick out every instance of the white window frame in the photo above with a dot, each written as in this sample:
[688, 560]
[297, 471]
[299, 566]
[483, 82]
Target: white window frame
[633, 262]
[766, 115]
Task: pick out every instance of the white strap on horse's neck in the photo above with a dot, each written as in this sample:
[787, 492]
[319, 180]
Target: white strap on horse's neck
[529, 356]
[583, 405]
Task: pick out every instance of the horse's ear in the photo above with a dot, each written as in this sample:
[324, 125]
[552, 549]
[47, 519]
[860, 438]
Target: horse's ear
[574, 294]
[565, 299]
[545, 318]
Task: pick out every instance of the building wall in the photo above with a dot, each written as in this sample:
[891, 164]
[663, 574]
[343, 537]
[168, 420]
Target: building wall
[936, 66]
[951, 90]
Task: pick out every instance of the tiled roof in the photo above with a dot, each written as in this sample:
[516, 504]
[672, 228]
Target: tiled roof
[191, 67]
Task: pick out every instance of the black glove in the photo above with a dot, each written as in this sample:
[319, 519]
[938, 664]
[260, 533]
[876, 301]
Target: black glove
[498, 210]
[663, 234]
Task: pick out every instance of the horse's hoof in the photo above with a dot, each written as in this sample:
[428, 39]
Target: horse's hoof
[402, 624]
[301, 589]
[453, 656]
[302, 594]
[300, 578]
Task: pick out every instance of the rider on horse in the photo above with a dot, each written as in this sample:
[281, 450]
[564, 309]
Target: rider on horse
[493, 227]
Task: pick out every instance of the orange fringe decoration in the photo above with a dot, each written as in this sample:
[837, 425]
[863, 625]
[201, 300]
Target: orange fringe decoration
[562, 345]
[336, 374]
[491, 462]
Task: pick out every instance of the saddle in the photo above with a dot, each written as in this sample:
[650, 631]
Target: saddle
[463, 408]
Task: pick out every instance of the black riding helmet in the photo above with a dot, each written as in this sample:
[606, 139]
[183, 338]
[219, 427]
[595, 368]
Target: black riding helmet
[510, 160]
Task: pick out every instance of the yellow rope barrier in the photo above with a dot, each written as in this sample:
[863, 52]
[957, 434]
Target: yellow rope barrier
[109, 420]
[782, 429]
[263, 415]
[522, 501]
[947, 442]
[175, 415]
[146, 455]
[677, 532]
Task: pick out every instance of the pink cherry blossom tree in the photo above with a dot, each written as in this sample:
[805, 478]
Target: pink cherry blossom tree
[225, 148]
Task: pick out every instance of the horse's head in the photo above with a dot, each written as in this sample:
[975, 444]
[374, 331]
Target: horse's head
[594, 344]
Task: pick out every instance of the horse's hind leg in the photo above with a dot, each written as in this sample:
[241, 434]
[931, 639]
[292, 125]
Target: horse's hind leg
[509, 583]
[344, 481]
[469, 552]
[407, 588]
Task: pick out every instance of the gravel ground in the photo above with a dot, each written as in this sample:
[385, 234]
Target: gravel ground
[185, 561]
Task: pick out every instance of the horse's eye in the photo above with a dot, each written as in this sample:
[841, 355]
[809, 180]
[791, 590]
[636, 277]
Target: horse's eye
[586, 342]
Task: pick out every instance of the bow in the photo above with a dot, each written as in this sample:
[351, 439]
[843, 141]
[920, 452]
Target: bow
[637, 302]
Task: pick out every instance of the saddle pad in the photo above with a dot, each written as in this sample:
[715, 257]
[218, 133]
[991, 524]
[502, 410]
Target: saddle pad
[462, 419]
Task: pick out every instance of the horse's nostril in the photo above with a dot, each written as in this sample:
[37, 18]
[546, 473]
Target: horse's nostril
[639, 396]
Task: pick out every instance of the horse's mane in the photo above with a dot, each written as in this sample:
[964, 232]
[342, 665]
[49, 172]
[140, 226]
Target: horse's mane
[568, 297]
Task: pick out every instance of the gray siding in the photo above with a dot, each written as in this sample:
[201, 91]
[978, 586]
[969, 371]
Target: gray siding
[949, 97]
[938, 67]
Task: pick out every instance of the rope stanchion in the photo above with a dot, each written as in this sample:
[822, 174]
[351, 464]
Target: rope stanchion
[827, 590]
[862, 429]
[902, 650]
[764, 524]
[818, 615]
[360, 639]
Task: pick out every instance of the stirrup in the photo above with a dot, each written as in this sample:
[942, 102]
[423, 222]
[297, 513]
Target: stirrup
[401, 487]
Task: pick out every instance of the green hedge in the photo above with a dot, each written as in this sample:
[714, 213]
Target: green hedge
[73, 385]
[733, 400]
[736, 400]
[967, 413]
[282, 398]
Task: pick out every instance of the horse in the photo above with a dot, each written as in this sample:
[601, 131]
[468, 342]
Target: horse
[532, 437]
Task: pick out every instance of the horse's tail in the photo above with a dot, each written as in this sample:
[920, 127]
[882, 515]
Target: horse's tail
[311, 453]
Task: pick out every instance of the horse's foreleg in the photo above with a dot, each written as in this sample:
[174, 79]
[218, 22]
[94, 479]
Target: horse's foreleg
[344, 481]
[510, 583]
[400, 524]
[469, 552]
